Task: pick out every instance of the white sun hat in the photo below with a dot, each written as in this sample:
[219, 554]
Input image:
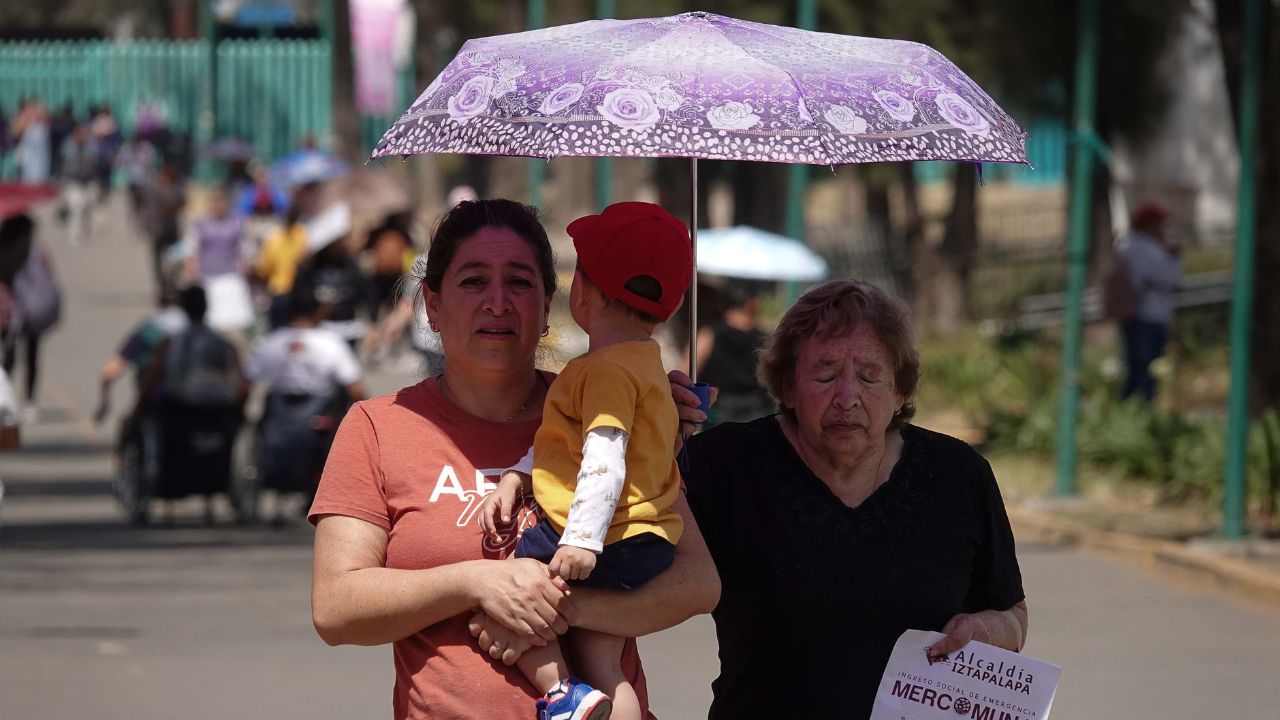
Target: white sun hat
[331, 224]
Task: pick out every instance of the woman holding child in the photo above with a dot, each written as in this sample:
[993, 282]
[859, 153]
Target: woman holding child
[399, 555]
[836, 524]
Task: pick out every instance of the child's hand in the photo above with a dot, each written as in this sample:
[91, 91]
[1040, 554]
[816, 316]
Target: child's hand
[497, 507]
[573, 563]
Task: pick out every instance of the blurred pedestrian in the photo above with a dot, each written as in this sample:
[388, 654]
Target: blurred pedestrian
[138, 440]
[727, 353]
[391, 250]
[197, 382]
[107, 140]
[10, 419]
[1153, 269]
[6, 134]
[138, 349]
[32, 146]
[283, 251]
[215, 261]
[26, 272]
[79, 169]
[160, 214]
[331, 275]
[311, 377]
[137, 159]
[60, 128]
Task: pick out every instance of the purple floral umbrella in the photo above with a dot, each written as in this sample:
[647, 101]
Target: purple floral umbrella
[700, 85]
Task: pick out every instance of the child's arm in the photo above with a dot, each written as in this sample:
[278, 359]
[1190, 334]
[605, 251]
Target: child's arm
[600, 480]
[497, 506]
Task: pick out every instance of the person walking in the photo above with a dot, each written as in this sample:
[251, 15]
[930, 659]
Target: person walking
[160, 212]
[33, 297]
[727, 352]
[215, 260]
[31, 136]
[331, 275]
[399, 556]
[1153, 269]
[137, 160]
[79, 170]
[837, 524]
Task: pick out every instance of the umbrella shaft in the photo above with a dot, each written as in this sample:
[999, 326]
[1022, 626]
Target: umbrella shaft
[693, 287]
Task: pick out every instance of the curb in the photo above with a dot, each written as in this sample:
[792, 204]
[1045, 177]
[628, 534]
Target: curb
[1230, 574]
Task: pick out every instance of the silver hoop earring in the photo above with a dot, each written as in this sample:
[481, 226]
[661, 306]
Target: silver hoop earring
[546, 330]
[434, 327]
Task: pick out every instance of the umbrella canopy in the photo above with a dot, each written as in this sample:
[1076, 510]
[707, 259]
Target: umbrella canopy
[307, 166]
[704, 86]
[17, 198]
[755, 254]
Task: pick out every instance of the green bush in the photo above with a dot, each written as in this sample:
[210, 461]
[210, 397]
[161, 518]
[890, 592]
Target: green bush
[1011, 391]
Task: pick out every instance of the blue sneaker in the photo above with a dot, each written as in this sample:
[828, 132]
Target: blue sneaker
[575, 700]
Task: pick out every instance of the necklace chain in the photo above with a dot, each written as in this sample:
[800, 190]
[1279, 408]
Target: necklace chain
[444, 388]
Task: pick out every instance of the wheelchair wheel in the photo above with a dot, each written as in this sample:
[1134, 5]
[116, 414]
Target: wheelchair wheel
[131, 486]
[245, 489]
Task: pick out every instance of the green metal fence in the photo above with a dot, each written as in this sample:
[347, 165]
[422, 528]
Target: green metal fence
[273, 93]
[269, 92]
[124, 75]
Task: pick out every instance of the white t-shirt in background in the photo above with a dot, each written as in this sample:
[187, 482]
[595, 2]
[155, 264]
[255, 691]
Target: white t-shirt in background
[304, 361]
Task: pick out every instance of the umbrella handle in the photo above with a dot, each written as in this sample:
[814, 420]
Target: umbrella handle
[693, 286]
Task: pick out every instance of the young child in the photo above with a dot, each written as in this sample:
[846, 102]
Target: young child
[603, 471]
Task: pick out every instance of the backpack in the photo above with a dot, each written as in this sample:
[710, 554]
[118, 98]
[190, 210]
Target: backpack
[202, 369]
[36, 293]
[1119, 296]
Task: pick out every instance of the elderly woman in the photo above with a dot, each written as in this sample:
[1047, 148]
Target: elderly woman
[836, 524]
[399, 556]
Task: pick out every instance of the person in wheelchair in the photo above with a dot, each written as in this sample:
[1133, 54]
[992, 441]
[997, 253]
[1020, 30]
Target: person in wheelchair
[137, 442]
[311, 377]
[196, 383]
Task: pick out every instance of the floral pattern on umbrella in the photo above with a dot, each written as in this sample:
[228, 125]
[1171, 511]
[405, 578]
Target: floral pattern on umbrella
[705, 86]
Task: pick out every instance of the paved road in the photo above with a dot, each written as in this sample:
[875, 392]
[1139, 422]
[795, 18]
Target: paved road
[101, 620]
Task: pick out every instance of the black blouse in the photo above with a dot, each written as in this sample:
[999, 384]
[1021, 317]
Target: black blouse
[816, 593]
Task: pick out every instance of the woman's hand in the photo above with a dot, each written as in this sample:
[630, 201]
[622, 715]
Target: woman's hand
[687, 405]
[1002, 628]
[522, 595]
[498, 640]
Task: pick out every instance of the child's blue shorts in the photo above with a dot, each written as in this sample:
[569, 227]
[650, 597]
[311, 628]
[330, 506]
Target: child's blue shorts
[624, 565]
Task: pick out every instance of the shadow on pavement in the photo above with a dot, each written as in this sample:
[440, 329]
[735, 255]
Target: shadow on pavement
[185, 533]
[18, 486]
[61, 450]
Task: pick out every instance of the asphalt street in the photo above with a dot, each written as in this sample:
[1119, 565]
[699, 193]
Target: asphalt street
[99, 619]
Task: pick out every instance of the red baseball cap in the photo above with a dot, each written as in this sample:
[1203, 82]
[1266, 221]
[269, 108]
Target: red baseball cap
[630, 239]
[1149, 214]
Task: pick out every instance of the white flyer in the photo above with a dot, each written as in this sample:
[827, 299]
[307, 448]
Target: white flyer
[978, 681]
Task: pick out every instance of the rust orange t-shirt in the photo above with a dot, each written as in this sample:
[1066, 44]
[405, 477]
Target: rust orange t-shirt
[417, 466]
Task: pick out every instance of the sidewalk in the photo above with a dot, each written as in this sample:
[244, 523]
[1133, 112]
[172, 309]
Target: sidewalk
[1247, 569]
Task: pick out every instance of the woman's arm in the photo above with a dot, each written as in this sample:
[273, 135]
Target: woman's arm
[689, 587]
[357, 601]
[1003, 628]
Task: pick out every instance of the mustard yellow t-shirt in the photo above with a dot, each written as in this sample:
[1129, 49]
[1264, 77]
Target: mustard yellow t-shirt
[281, 254]
[622, 386]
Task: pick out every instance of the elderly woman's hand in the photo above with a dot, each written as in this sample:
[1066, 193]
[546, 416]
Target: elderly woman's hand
[499, 641]
[1002, 628]
[522, 595]
[687, 405]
